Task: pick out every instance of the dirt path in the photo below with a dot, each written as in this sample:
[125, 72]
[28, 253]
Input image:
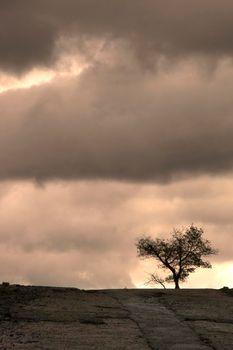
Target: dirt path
[61, 318]
[160, 326]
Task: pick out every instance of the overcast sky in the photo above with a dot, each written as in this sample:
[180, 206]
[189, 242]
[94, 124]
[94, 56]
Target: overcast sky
[116, 121]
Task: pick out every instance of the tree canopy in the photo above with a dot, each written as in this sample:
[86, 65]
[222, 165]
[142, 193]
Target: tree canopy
[182, 254]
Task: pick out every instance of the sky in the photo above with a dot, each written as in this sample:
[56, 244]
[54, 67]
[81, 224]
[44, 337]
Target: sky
[116, 121]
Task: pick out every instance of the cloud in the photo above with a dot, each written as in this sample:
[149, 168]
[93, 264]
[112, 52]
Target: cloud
[57, 235]
[117, 123]
[131, 134]
[83, 233]
[31, 32]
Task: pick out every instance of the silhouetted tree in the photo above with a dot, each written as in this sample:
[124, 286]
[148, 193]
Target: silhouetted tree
[182, 254]
[156, 279]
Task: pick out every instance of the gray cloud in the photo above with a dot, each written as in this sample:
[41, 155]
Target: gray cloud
[116, 123]
[26, 39]
[31, 30]
[145, 148]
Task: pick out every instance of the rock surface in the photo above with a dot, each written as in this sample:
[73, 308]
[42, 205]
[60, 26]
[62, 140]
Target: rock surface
[140, 319]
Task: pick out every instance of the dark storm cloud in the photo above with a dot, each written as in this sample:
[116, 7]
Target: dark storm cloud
[26, 39]
[30, 30]
[119, 124]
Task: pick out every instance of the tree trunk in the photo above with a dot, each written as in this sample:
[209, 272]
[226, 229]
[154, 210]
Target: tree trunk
[176, 280]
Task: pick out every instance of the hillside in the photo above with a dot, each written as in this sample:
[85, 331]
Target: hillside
[67, 318]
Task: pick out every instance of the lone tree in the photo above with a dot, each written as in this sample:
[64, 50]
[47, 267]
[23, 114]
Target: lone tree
[182, 254]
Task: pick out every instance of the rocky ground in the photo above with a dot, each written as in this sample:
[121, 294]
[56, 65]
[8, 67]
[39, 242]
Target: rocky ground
[66, 318]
